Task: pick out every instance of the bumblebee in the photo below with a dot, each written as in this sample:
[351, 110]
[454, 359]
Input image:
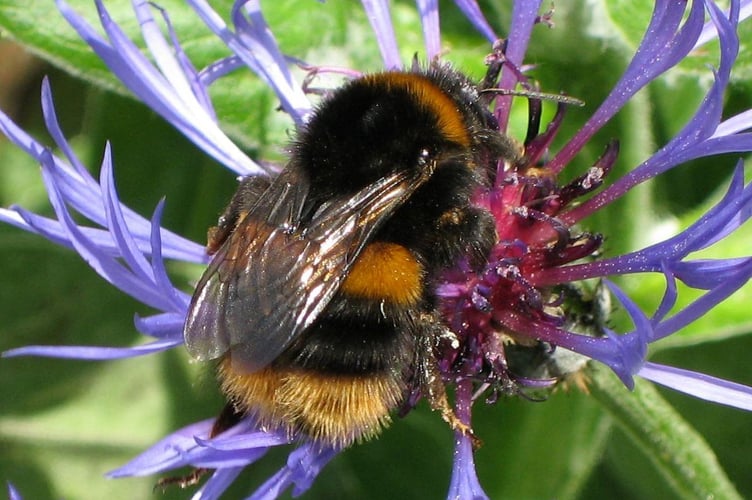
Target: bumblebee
[319, 300]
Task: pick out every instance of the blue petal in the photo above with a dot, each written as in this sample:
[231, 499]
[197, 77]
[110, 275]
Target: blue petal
[93, 353]
[165, 325]
[524, 16]
[303, 465]
[255, 34]
[84, 194]
[116, 222]
[177, 104]
[464, 484]
[473, 13]
[633, 347]
[220, 68]
[705, 303]
[178, 300]
[710, 31]
[13, 493]
[165, 454]
[734, 209]
[178, 70]
[697, 139]
[237, 447]
[666, 42]
[254, 43]
[429, 20]
[705, 274]
[217, 483]
[669, 296]
[699, 385]
[107, 267]
[737, 123]
[244, 441]
[379, 16]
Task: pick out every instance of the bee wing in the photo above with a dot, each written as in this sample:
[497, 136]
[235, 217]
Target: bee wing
[273, 276]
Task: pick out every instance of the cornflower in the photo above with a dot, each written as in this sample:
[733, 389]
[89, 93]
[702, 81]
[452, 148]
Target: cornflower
[522, 324]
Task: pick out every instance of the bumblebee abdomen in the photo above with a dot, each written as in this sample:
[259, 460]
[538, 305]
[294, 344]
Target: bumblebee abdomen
[338, 383]
[385, 272]
[333, 409]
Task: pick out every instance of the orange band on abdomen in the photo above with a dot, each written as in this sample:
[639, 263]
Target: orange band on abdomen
[385, 271]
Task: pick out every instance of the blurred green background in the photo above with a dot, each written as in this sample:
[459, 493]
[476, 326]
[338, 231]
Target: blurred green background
[63, 424]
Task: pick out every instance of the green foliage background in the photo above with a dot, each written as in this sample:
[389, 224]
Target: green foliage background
[63, 424]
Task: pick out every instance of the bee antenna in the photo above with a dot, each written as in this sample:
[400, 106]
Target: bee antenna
[561, 98]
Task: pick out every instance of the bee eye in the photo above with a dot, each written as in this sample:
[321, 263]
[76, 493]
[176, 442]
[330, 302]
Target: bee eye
[423, 157]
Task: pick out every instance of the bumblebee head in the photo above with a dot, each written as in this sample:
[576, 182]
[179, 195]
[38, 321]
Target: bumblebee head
[380, 124]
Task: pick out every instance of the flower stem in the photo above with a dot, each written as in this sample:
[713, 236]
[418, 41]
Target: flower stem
[677, 450]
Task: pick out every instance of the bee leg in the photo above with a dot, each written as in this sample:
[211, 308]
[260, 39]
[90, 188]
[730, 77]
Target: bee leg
[226, 419]
[433, 386]
[181, 482]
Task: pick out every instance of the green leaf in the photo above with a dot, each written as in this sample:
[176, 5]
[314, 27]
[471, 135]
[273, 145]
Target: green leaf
[679, 453]
[540, 449]
[629, 19]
